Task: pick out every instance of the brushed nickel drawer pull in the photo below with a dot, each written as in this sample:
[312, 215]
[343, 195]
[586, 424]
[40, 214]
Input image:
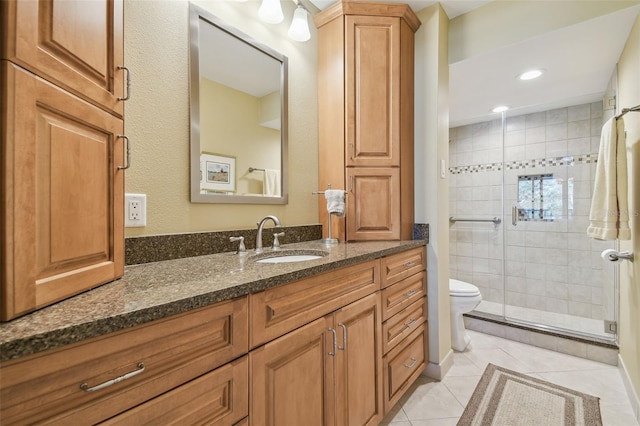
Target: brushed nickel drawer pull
[344, 337]
[126, 97]
[335, 341]
[85, 386]
[409, 264]
[413, 362]
[408, 323]
[126, 140]
[409, 293]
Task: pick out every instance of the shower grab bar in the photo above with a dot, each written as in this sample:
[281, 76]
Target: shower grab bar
[496, 220]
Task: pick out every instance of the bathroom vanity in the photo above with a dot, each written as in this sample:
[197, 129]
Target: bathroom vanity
[222, 339]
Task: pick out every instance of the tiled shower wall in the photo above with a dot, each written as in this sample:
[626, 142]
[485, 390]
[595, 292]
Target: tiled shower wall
[550, 265]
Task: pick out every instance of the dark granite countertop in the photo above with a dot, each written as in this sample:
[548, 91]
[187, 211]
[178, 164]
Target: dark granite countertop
[152, 291]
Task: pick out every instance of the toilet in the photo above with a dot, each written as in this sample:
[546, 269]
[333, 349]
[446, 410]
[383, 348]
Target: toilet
[464, 298]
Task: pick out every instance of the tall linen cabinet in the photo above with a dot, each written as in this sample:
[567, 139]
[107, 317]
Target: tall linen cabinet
[62, 91]
[366, 123]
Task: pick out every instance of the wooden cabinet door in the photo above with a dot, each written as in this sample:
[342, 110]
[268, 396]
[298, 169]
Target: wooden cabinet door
[373, 204]
[62, 191]
[358, 363]
[292, 378]
[75, 44]
[372, 91]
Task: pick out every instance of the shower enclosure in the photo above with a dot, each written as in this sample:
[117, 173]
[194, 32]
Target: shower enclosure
[520, 195]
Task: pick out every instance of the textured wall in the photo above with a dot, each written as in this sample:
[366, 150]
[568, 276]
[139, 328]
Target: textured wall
[157, 117]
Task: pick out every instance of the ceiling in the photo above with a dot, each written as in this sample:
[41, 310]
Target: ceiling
[579, 61]
[453, 8]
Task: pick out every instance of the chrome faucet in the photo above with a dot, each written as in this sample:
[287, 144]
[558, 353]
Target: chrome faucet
[276, 222]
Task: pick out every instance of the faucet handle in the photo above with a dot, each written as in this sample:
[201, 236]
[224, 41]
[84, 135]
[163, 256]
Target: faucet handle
[241, 248]
[276, 243]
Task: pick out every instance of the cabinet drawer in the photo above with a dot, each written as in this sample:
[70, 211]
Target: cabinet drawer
[402, 265]
[173, 351]
[279, 310]
[403, 294]
[220, 397]
[403, 365]
[403, 323]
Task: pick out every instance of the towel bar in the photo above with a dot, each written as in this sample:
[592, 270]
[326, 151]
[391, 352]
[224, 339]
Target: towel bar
[496, 220]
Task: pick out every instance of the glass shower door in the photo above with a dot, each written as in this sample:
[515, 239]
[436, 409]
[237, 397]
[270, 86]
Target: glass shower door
[554, 276]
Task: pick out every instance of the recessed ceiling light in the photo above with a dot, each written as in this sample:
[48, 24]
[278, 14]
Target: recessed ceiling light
[500, 108]
[530, 75]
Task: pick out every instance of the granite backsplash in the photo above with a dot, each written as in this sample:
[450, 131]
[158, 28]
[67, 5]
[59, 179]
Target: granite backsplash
[156, 248]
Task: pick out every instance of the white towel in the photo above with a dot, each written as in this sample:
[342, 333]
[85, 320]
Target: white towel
[609, 215]
[271, 185]
[335, 201]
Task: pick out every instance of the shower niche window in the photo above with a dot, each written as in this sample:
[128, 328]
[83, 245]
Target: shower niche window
[539, 198]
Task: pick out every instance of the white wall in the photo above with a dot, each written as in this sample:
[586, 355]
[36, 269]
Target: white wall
[432, 192]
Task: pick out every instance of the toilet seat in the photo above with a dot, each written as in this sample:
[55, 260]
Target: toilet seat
[462, 289]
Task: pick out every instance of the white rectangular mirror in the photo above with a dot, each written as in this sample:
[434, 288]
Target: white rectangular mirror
[238, 109]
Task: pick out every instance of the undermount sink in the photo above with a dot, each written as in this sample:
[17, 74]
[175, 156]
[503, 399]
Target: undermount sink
[290, 256]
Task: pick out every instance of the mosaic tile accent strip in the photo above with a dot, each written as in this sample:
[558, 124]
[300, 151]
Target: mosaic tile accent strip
[568, 160]
[475, 168]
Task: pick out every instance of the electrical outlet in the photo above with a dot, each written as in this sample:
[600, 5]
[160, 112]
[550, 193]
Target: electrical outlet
[135, 210]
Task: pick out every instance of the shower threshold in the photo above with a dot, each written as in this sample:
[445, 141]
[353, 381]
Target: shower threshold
[571, 326]
[565, 341]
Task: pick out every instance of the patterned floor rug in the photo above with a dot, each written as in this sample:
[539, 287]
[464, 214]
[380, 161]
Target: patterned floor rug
[507, 398]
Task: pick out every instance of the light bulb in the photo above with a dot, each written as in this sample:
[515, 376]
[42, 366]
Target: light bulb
[299, 29]
[530, 75]
[500, 108]
[270, 12]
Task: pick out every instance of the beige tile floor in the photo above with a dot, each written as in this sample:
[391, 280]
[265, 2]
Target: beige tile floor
[433, 403]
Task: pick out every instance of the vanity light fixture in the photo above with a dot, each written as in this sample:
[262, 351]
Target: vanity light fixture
[501, 108]
[270, 12]
[299, 29]
[531, 74]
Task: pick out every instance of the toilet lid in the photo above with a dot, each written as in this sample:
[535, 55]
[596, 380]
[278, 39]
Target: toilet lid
[461, 288]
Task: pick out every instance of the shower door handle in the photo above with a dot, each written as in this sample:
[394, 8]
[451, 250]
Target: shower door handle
[514, 215]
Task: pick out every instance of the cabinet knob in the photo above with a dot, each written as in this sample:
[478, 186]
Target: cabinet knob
[335, 341]
[408, 323]
[413, 362]
[128, 83]
[128, 155]
[409, 293]
[344, 337]
[85, 386]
